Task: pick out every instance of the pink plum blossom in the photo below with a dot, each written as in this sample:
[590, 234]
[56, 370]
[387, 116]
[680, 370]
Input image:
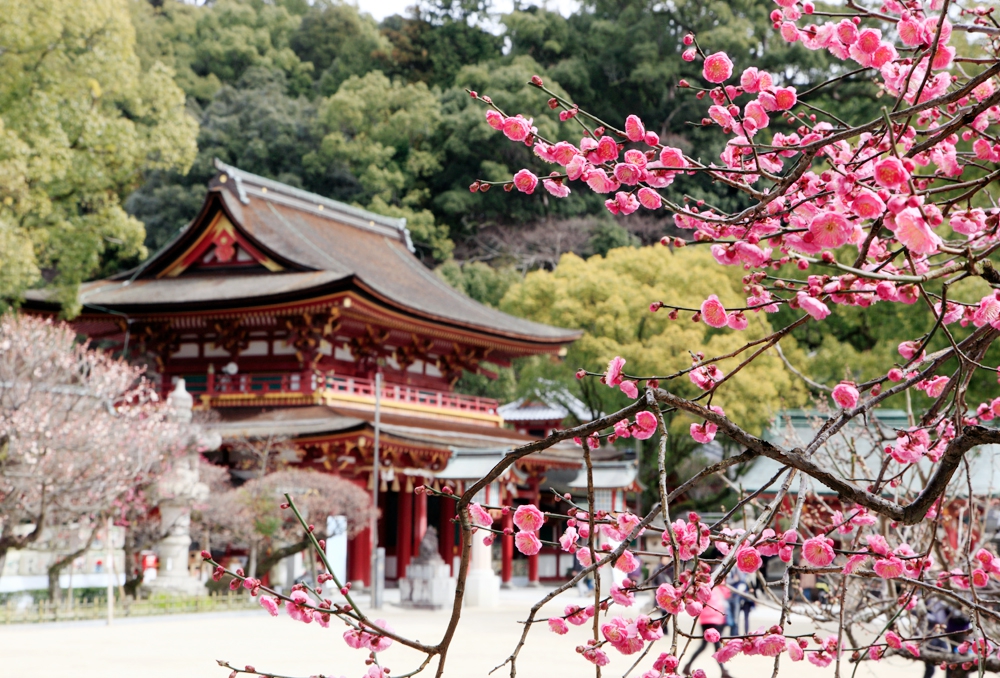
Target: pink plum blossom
[846, 395]
[704, 432]
[829, 230]
[613, 375]
[527, 543]
[629, 388]
[528, 518]
[717, 68]
[479, 515]
[748, 560]
[818, 551]
[557, 625]
[525, 181]
[494, 119]
[634, 129]
[270, 604]
[646, 423]
[713, 312]
[517, 128]
[813, 306]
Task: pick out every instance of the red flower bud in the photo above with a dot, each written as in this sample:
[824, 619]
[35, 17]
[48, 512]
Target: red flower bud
[206, 555]
[536, 81]
[581, 373]
[553, 103]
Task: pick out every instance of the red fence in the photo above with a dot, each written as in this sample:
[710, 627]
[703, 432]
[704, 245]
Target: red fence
[309, 382]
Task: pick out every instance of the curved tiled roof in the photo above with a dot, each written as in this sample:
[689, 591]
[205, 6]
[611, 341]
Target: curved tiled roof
[317, 242]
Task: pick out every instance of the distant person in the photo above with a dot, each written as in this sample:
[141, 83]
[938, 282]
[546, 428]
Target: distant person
[807, 582]
[712, 617]
[741, 602]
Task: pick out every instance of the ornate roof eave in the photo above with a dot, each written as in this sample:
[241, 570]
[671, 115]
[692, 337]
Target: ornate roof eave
[363, 306]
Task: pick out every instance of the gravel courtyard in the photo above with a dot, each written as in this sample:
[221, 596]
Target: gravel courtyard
[186, 646]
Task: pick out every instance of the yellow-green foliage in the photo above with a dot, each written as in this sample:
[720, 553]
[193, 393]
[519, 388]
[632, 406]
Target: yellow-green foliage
[81, 119]
[609, 297]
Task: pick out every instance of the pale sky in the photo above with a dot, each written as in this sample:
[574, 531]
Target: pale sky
[383, 8]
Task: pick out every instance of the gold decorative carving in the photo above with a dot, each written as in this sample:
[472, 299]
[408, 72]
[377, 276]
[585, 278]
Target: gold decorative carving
[231, 335]
[367, 348]
[418, 348]
[462, 358]
[158, 338]
[305, 332]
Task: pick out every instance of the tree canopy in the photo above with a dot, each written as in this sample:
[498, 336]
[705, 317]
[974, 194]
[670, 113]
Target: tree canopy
[81, 117]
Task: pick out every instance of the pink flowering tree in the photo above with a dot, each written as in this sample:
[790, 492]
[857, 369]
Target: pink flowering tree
[81, 435]
[898, 209]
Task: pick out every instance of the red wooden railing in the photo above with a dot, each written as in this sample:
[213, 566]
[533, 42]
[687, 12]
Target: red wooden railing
[214, 384]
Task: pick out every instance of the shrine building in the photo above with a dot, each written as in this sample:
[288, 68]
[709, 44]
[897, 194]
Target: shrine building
[277, 307]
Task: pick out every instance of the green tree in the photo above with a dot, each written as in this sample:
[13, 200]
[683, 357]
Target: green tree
[480, 281]
[339, 42]
[216, 44]
[622, 57]
[82, 120]
[474, 150]
[255, 126]
[382, 132]
[434, 44]
[608, 298]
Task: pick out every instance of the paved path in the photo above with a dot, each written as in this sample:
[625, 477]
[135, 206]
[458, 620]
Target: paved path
[186, 646]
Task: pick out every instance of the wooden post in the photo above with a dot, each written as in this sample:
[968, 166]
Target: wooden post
[404, 531]
[419, 520]
[447, 530]
[533, 560]
[111, 583]
[507, 551]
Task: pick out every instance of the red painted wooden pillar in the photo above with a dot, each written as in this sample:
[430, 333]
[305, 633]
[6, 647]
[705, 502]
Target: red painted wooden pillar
[447, 532]
[404, 532]
[507, 550]
[359, 551]
[533, 560]
[419, 520]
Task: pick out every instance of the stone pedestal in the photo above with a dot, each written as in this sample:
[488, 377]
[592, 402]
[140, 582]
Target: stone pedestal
[172, 576]
[427, 585]
[482, 586]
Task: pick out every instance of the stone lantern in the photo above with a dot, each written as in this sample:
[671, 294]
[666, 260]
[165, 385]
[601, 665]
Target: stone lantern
[179, 490]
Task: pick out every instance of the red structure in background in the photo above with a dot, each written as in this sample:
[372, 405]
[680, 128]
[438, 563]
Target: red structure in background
[278, 306]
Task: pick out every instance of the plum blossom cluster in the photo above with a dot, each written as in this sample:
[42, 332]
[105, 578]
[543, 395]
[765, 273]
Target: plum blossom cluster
[862, 201]
[894, 210]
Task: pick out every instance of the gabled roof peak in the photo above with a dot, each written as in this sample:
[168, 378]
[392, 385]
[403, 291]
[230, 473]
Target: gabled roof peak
[245, 183]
